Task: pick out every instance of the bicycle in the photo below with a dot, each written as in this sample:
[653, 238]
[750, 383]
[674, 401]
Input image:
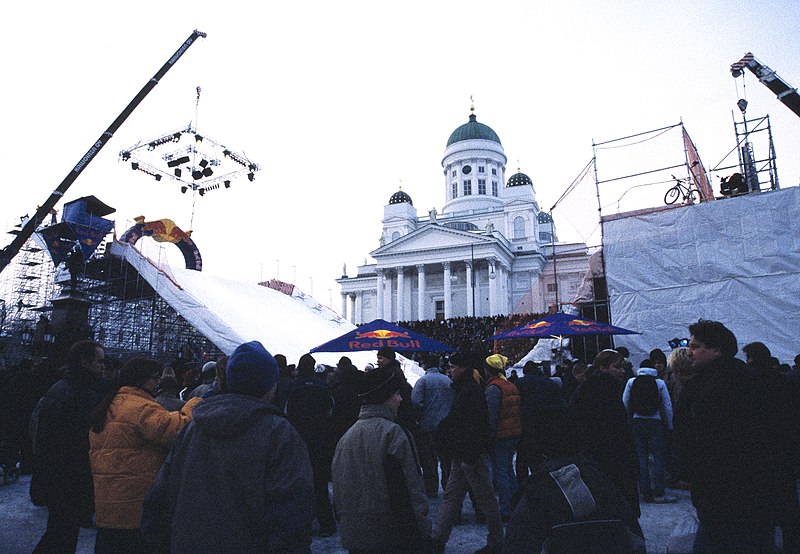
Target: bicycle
[689, 194]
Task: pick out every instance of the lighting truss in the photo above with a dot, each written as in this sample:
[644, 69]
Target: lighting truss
[196, 162]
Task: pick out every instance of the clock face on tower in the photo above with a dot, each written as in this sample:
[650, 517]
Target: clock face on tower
[466, 170]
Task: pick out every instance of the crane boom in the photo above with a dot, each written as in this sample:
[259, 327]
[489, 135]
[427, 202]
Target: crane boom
[8, 253]
[784, 91]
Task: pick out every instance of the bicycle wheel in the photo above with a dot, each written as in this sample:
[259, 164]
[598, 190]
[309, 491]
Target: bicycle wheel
[672, 195]
[692, 197]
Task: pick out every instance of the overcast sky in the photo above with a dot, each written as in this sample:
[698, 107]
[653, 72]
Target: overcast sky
[340, 102]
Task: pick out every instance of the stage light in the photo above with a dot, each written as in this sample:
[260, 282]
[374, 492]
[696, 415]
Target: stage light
[180, 161]
[157, 176]
[183, 190]
[176, 137]
[126, 156]
[208, 172]
[178, 172]
[227, 184]
[202, 192]
[251, 176]
[197, 174]
[203, 163]
[134, 166]
[198, 138]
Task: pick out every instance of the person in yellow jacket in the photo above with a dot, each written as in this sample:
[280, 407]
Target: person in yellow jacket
[128, 442]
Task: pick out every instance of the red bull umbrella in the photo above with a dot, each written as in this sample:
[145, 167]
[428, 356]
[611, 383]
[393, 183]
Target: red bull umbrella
[562, 325]
[379, 333]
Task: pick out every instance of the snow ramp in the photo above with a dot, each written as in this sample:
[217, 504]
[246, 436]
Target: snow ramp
[230, 312]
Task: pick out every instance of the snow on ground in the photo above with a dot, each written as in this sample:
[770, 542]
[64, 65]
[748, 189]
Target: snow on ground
[25, 523]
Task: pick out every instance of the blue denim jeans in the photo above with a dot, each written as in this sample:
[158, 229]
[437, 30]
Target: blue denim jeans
[503, 473]
[648, 436]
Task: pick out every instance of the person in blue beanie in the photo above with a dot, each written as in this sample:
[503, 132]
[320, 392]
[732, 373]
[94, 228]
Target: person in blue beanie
[238, 477]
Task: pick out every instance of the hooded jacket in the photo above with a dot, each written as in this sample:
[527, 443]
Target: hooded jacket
[127, 454]
[238, 479]
[664, 413]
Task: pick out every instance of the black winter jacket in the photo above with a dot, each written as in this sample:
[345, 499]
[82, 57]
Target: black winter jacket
[464, 432]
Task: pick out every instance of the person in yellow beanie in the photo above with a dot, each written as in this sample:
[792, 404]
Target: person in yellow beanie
[505, 425]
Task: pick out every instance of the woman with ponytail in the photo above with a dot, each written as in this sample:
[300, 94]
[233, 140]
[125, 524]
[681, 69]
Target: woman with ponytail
[129, 440]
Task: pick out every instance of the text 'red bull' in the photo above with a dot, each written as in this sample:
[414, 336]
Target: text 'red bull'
[380, 343]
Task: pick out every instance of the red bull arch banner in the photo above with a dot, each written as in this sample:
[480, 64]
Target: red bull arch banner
[165, 230]
[379, 333]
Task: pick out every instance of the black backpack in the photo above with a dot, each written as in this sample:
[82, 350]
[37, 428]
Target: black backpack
[645, 399]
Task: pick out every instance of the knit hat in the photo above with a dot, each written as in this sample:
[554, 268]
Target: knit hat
[251, 370]
[209, 370]
[379, 385]
[496, 362]
[386, 352]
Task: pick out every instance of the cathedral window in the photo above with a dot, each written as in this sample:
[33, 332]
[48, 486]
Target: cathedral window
[454, 173]
[467, 187]
[481, 169]
[481, 186]
[494, 188]
[455, 189]
[494, 171]
[519, 227]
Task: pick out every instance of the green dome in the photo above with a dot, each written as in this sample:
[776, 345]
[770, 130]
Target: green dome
[400, 197]
[518, 180]
[473, 130]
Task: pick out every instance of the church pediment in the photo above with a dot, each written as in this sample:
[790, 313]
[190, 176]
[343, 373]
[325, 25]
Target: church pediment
[431, 237]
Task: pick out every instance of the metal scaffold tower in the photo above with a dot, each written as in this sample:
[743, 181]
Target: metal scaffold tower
[128, 316]
[25, 293]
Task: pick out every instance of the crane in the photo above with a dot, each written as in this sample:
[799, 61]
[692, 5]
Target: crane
[785, 92]
[7, 254]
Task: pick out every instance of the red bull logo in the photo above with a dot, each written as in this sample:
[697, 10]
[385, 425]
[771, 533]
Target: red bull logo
[538, 325]
[383, 334]
[377, 343]
[163, 230]
[584, 325]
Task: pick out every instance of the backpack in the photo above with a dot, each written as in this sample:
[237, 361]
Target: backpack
[645, 398]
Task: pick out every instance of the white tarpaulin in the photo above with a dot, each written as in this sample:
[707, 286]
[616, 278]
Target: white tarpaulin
[736, 261]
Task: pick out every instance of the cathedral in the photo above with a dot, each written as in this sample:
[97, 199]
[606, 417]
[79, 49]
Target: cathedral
[489, 251]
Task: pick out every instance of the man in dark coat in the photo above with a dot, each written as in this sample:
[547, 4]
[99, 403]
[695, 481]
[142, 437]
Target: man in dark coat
[310, 409]
[732, 456]
[238, 477]
[538, 394]
[63, 477]
[465, 436]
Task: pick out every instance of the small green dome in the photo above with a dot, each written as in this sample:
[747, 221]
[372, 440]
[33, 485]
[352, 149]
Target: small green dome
[473, 130]
[400, 197]
[519, 179]
[545, 217]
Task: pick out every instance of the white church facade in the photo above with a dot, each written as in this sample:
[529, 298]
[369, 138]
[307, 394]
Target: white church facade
[488, 252]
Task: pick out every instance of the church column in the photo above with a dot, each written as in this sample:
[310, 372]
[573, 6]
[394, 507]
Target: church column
[492, 288]
[401, 289]
[447, 293]
[421, 292]
[344, 306]
[379, 307]
[359, 317]
[470, 291]
[352, 296]
[537, 294]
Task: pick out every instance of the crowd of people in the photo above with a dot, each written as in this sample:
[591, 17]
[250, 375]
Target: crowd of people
[239, 455]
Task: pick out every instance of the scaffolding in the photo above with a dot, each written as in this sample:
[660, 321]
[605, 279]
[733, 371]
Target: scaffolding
[26, 287]
[126, 315]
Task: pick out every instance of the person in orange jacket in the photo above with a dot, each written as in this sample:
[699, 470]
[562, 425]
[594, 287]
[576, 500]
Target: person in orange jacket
[129, 440]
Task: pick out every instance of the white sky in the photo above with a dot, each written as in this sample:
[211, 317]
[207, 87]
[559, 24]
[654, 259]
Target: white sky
[340, 101]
